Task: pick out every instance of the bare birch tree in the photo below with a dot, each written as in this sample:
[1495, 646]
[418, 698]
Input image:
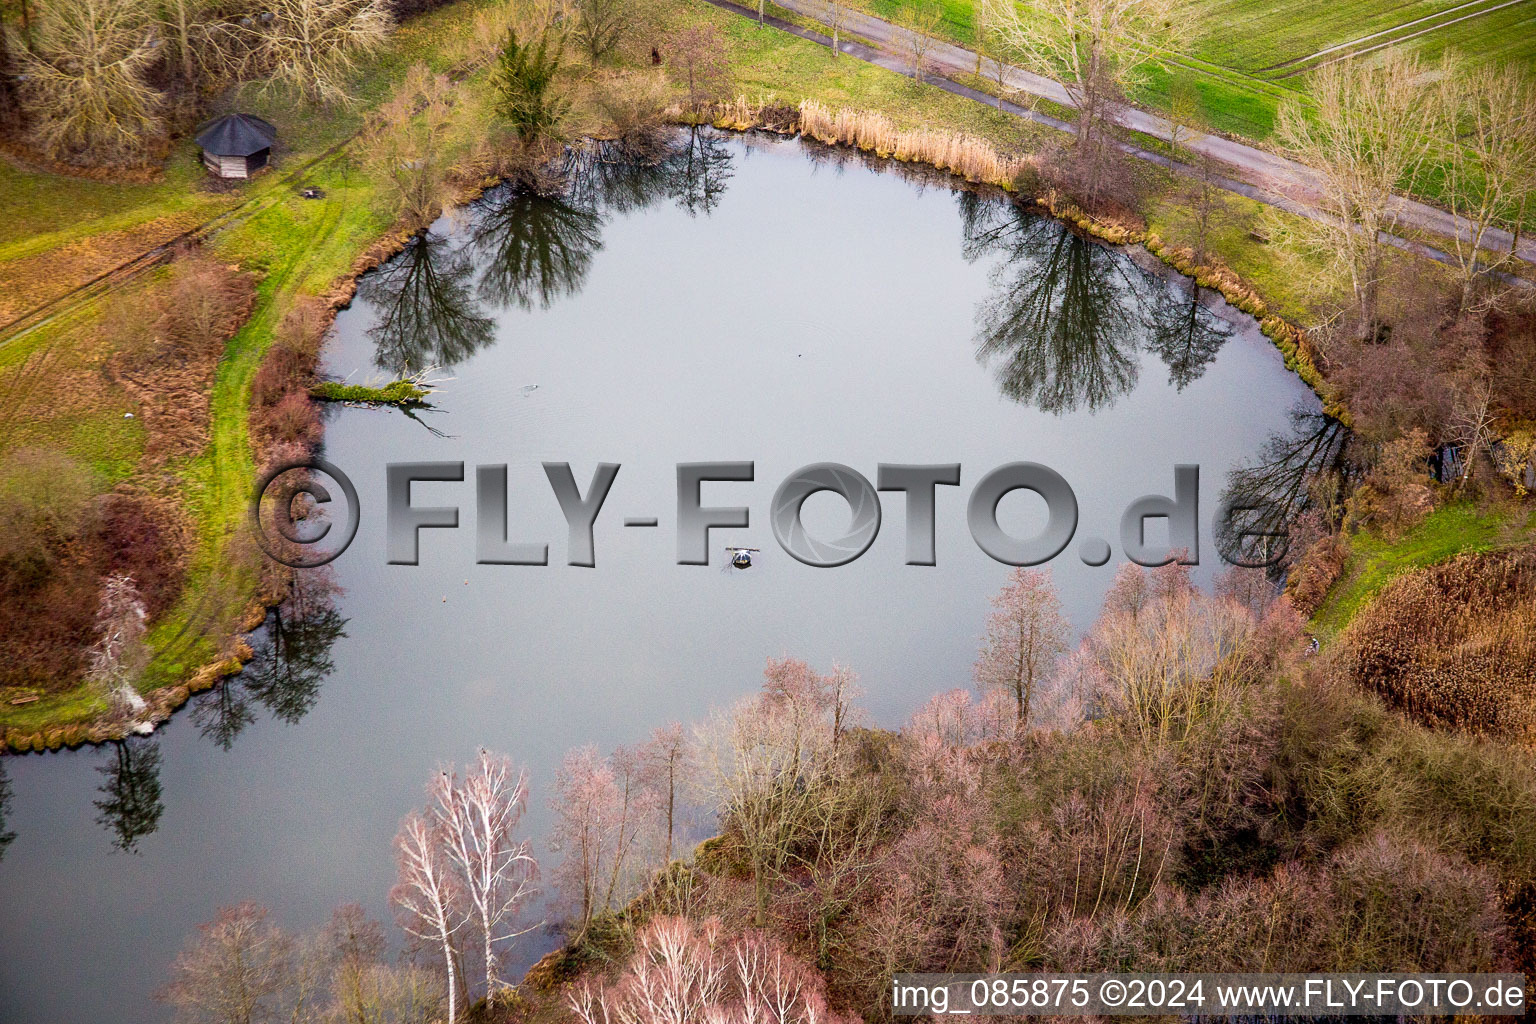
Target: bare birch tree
[120, 654]
[1488, 121]
[1367, 135]
[478, 821]
[86, 87]
[1026, 635]
[427, 896]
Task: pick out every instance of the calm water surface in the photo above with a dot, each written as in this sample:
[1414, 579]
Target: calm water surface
[743, 301]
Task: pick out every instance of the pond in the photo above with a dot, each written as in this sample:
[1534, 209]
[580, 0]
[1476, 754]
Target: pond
[745, 300]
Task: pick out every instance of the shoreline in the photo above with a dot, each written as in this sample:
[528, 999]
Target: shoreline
[1289, 338]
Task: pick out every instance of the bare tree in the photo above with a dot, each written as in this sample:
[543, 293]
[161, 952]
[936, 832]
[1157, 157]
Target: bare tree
[697, 59]
[666, 759]
[1488, 122]
[427, 896]
[477, 821]
[357, 944]
[991, 18]
[181, 19]
[1096, 47]
[403, 994]
[1472, 418]
[86, 88]
[920, 25]
[1173, 662]
[600, 25]
[1026, 634]
[312, 46]
[1366, 134]
[1186, 113]
[844, 857]
[405, 145]
[764, 763]
[682, 971]
[603, 824]
[234, 972]
[120, 653]
[1205, 200]
[832, 14]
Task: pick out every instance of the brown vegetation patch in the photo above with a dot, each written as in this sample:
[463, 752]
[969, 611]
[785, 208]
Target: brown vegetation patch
[1455, 644]
[167, 346]
[30, 281]
[28, 159]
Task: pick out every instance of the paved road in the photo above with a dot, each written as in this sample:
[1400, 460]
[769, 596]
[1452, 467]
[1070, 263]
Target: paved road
[1269, 177]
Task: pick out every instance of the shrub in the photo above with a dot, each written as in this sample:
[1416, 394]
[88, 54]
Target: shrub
[525, 82]
[635, 106]
[294, 420]
[142, 539]
[1316, 571]
[1398, 493]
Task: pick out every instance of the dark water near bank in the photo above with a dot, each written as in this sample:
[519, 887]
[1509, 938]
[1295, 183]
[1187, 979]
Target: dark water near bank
[745, 301]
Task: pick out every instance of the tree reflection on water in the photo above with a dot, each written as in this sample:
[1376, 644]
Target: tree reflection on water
[1069, 317]
[424, 302]
[291, 658]
[531, 248]
[1264, 498]
[130, 804]
[6, 837]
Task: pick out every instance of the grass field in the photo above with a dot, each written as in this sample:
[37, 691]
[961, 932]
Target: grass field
[1447, 532]
[52, 388]
[1244, 56]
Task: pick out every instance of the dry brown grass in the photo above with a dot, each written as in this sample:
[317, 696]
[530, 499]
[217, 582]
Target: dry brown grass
[33, 280]
[971, 158]
[1455, 644]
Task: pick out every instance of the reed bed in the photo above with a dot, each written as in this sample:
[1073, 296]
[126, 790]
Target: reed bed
[973, 159]
[1455, 644]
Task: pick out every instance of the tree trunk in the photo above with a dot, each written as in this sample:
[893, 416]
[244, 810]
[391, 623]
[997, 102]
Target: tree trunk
[671, 804]
[452, 995]
[490, 959]
[760, 891]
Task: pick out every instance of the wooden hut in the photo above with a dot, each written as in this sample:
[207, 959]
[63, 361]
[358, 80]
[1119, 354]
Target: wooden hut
[237, 145]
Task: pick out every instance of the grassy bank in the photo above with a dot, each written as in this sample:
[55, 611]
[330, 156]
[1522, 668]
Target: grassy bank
[1451, 530]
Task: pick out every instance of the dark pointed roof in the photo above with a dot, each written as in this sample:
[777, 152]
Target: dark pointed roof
[237, 135]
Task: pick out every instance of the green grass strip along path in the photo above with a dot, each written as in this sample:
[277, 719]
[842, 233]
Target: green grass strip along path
[1449, 531]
